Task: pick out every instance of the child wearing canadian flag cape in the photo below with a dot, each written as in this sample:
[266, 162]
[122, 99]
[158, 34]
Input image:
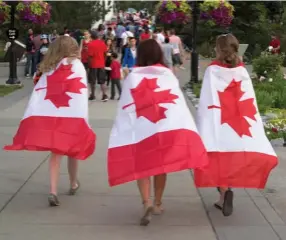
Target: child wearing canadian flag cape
[230, 125]
[56, 118]
[154, 132]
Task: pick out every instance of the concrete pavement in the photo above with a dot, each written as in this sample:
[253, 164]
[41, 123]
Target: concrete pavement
[100, 212]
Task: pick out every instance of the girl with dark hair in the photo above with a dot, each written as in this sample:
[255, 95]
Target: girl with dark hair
[101, 31]
[165, 138]
[109, 52]
[149, 53]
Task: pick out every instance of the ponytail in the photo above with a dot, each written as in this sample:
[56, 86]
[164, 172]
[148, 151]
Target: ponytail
[232, 59]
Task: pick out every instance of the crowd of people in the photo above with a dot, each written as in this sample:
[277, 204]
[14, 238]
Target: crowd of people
[109, 52]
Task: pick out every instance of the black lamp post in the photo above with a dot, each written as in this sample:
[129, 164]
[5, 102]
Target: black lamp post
[194, 55]
[13, 79]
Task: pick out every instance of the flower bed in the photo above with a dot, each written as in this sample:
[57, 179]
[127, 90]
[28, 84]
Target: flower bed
[37, 12]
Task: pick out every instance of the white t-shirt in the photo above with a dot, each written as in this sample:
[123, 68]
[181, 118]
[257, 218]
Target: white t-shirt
[133, 51]
[126, 35]
[161, 37]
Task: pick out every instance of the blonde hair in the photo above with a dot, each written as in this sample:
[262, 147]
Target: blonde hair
[62, 47]
[227, 49]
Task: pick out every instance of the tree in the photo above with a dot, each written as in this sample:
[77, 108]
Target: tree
[76, 14]
[138, 5]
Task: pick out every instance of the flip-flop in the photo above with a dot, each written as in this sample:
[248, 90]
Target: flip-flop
[227, 207]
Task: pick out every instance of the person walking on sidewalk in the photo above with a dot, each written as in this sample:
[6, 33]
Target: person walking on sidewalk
[84, 48]
[30, 67]
[164, 143]
[178, 49]
[115, 75]
[130, 54]
[96, 54]
[108, 59]
[167, 49]
[240, 154]
[54, 123]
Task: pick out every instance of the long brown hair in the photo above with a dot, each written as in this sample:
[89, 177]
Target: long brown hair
[62, 47]
[227, 50]
[149, 53]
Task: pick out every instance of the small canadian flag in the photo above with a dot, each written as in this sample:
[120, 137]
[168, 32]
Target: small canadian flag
[56, 118]
[154, 132]
[232, 130]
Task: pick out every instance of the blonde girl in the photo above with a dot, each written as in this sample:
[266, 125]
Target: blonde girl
[62, 47]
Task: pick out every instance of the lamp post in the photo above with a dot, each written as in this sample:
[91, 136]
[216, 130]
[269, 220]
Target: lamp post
[194, 55]
[13, 79]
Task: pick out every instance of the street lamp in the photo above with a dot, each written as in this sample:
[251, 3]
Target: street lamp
[12, 35]
[194, 55]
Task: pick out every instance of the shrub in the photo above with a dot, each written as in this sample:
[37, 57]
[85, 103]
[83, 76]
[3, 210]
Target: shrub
[264, 100]
[269, 66]
[197, 89]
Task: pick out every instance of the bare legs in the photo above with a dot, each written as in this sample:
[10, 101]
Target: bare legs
[159, 187]
[55, 161]
[54, 172]
[144, 186]
[73, 169]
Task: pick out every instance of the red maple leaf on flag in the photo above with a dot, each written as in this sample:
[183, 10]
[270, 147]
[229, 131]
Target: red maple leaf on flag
[234, 111]
[58, 85]
[147, 100]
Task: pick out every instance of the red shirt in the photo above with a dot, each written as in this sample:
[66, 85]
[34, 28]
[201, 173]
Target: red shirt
[275, 43]
[145, 36]
[96, 50]
[84, 51]
[115, 70]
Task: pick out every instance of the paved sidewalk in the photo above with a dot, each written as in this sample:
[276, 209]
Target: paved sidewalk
[258, 215]
[100, 212]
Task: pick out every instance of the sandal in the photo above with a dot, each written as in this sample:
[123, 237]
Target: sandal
[227, 207]
[145, 220]
[73, 191]
[158, 210]
[53, 200]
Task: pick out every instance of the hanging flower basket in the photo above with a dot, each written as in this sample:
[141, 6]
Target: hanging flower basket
[217, 12]
[37, 12]
[4, 12]
[177, 12]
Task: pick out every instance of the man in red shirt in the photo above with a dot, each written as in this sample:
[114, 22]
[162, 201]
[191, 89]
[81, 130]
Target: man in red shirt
[96, 62]
[275, 44]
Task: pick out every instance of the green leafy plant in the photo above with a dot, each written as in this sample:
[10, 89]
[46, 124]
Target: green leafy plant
[197, 89]
[268, 66]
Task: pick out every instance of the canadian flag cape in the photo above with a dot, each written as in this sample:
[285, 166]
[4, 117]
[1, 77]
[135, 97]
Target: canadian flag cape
[154, 132]
[229, 123]
[56, 118]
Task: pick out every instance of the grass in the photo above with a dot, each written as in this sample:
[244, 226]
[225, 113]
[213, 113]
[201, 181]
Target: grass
[5, 90]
